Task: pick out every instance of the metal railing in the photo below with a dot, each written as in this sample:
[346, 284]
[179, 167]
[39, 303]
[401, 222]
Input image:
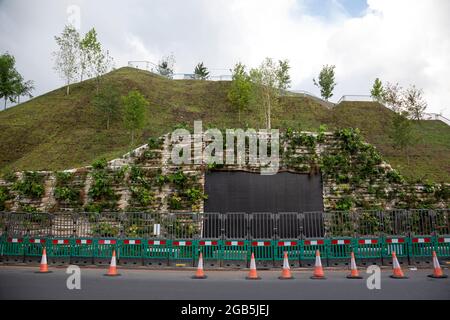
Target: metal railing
[236, 225]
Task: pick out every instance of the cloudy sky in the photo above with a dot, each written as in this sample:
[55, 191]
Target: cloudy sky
[397, 40]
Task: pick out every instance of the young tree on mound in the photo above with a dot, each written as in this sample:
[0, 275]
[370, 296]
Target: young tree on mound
[107, 103]
[415, 104]
[165, 66]
[377, 90]
[269, 80]
[12, 84]
[67, 56]
[402, 133]
[240, 89]
[135, 106]
[201, 72]
[326, 82]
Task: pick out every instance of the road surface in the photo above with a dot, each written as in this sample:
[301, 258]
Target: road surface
[24, 283]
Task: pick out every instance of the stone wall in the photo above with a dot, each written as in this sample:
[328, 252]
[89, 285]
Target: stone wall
[353, 173]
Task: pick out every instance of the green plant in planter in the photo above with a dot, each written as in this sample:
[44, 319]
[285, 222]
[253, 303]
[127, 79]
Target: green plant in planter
[195, 195]
[104, 229]
[67, 194]
[31, 185]
[155, 143]
[321, 136]
[178, 178]
[144, 196]
[429, 187]
[175, 202]
[394, 177]
[344, 204]
[99, 164]
[119, 175]
[63, 178]
[101, 186]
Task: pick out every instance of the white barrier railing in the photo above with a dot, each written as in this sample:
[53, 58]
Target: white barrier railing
[362, 98]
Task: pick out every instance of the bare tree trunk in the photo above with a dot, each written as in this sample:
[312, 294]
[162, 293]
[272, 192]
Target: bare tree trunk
[4, 108]
[68, 88]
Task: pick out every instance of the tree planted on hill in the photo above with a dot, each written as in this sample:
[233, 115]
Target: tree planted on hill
[240, 89]
[107, 103]
[201, 72]
[415, 103]
[409, 102]
[377, 90]
[12, 84]
[402, 134]
[135, 106]
[268, 81]
[326, 82]
[165, 66]
[67, 56]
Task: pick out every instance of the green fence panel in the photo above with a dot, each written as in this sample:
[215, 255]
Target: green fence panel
[13, 247]
[103, 248]
[421, 246]
[339, 249]
[442, 246]
[34, 247]
[59, 248]
[368, 248]
[157, 249]
[262, 249]
[399, 245]
[131, 249]
[310, 246]
[234, 250]
[83, 248]
[182, 252]
[210, 249]
[292, 247]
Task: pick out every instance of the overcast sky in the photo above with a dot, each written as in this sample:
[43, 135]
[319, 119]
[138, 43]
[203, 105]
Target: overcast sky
[396, 40]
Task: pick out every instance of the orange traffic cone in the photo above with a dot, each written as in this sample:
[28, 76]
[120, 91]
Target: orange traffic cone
[112, 272]
[43, 268]
[200, 274]
[286, 273]
[397, 270]
[437, 273]
[252, 275]
[354, 274]
[318, 270]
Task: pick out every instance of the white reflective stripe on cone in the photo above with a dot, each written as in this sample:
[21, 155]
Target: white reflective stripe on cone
[353, 263]
[200, 263]
[318, 262]
[436, 264]
[252, 264]
[113, 261]
[44, 259]
[286, 263]
[395, 264]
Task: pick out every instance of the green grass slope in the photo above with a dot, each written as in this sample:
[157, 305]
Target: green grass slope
[55, 131]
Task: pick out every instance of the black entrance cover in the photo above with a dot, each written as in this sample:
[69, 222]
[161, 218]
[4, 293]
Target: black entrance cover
[235, 191]
[231, 192]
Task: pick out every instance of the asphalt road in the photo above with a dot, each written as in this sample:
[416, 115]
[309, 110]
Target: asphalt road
[24, 283]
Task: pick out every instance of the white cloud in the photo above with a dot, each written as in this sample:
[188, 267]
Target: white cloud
[398, 41]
